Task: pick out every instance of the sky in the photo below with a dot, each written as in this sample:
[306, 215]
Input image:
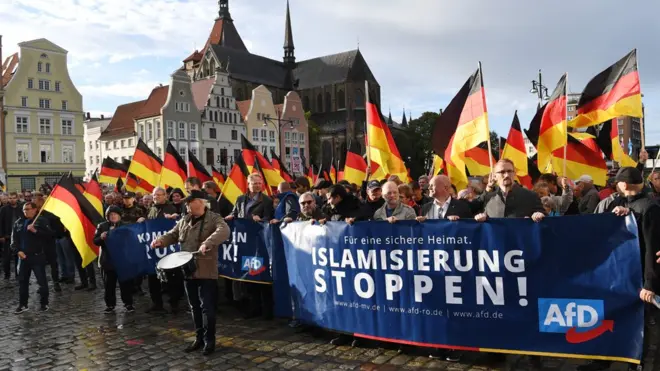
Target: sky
[421, 51]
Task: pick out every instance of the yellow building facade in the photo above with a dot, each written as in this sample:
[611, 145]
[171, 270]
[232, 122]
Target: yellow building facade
[44, 119]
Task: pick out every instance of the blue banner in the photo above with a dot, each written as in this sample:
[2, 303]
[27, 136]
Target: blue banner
[245, 255]
[564, 287]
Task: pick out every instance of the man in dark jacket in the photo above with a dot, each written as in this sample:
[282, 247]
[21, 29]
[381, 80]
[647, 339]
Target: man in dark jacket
[589, 197]
[9, 214]
[288, 206]
[132, 213]
[27, 241]
[373, 202]
[343, 205]
[420, 196]
[308, 209]
[50, 244]
[255, 298]
[113, 217]
[161, 207]
[194, 184]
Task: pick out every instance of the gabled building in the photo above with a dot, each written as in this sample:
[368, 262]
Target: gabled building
[43, 131]
[331, 87]
[93, 128]
[294, 140]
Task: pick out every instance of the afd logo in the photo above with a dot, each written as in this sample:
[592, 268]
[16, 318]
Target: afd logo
[580, 319]
[254, 265]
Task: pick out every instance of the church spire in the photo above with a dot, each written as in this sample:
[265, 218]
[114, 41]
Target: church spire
[404, 121]
[223, 12]
[289, 56]
[389, 119]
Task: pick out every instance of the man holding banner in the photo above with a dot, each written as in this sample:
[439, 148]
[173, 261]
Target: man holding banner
[201, 230]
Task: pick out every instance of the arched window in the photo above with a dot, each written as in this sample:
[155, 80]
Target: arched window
[235, 118]
[222, 91]
[306, 103]
[217, 101]
[226, 117]
[341, 99]
[227, 102]
[216, 116]
[328, 102]
[223, 102]
[359, 98]
[319, 103]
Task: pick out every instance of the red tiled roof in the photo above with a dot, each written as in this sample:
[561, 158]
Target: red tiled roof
[154, 103]
[243, 107]
[8, 66]
[200, 91]
[196, 56]
[122, 122]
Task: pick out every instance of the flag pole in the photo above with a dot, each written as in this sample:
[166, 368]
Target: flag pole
[366, 124]
[641, 119]
[565, 122]
[490, 150]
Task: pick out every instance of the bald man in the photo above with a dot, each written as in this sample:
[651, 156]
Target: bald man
[393, 210]
[288, 206]
[443, 205]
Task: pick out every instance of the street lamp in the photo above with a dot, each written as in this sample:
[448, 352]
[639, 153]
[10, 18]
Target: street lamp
[278, 125]
[540, 90]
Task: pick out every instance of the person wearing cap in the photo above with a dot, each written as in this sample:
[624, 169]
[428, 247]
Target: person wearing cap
[633, 200]
[589, 197]
[373, 202]
[321, 191]
[393, 209]
[201, 230]
[132, 213]
[113, 220]
[194, 184]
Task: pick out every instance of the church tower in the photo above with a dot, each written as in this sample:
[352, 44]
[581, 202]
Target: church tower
[289, 56]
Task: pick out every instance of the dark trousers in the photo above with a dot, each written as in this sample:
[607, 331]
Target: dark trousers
[88, 274]
[260, 299]
[174, 288]
[51, 257]
[33, 263]
[125, 289]
[7, 258]
[203, 298]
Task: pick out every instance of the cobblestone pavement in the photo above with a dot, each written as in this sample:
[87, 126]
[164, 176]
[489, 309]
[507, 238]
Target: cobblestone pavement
[76, 335]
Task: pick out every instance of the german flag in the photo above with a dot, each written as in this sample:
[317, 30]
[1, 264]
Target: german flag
[250, 155]
[478, 161]
[145, 164]
[608, 141]
[77, 215]
[378, 172]
[136, 184]
[310, 175]
[380, 143]
[173, 173]
[552, 129]
[580, 160]
[455, 168]
[438, 165]
[612, 93]
[257, 169]
[355, 168]
[515, 150]
[236, 182]
[588, 139]
[112, 170]
[94, 194]
[3, 187]
[279, 166]
[463, 125]
[333, 173]
[196, 169]
[218, 177]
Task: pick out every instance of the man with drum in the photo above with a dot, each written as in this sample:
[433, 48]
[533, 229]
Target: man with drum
[201, 230]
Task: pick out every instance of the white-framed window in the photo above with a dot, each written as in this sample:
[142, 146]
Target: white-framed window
[57, 86]
[30, 83]
[107, 146]
[287, 137]
[45, 152]
[22, 124]
[44, 84]
[114, 144]
[47, 67]
[98, 159]
[194, 151]
[44, 103]
[181, 107]
[140, 131]
[271, 134]
[294, 137]
[234, 134]
[182, 130]
[183, 152]
[301, 138]
[67, 127]
[130, 142]
[23, 152]
[193, 132]
[264, 135]
[65, 105]
[123, 143]
[158, 129]
[24, 101]
[150, 131]
[68, 151]
[44, 126]
[255, 134]
[170, 130]
[40, 67]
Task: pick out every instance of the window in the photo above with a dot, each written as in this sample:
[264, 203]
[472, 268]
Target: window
[24, 101]
[258, 116]
[212, 133]
[287, 151]
[264, 149]
[264, 135]
[182, 107]
[45, 152]
[306, 103]
[182, 130]
[226, 117]
[44, 85]
[223, 156]
[294, 138]
[96, 144]
[302, 152]
[28, 183]
[123, 143]
[359, 98]
[222, 91]
[150, 131]
[158, 130]
[170, 130]
[98, 159]
[44, 126]
[287, 137]
[107, 146]
[215, 115]
[140, 131]
[44, 103]
[193, 131]
[234, 135]
[21, 124]
[22, 152]
[272, 149]
[47, 67]
[65, 105]
[328, 102]
[67, 127]
[114, 144]
[30, 83]
[40, 67]
[341, 99]
[67, 153]
[235, 118]
[57, 86]
[210, 156]
[90, 145]
[194, 152]
[301, 138]
[271, 134]
[223, 103]
[183, 153]
[237, 153]
[130, 142]
[255, 134]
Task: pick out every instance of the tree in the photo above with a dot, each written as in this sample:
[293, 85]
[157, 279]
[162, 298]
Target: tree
[495, 143]
[314, 136]
[416, 148]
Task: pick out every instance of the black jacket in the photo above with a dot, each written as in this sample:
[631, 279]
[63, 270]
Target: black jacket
[34, 242]
[459, 208]
[263, 207]
[368, 208]
[647, 214]
[159, 211]
[104, 258]
[8, 216]
[350, 207]
[55, 224]
[425, 200]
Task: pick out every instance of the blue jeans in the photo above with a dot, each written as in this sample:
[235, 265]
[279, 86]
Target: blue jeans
[203, 299]
[33, 263]
[65, 258]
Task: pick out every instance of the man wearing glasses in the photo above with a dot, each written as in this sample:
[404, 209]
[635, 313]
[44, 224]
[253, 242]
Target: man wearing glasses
[27, 241]
[308, 209]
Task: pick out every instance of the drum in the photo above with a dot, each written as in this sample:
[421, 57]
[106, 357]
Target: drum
[183, 260]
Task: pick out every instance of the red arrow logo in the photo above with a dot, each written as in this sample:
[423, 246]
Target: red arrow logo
[256, 272]
[574, 337]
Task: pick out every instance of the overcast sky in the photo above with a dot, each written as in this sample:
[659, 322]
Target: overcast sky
[421, 51]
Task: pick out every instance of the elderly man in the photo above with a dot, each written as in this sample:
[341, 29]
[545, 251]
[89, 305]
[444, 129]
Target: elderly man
[161, 207]
[308, 209]
[423, 181]
[654, 180]
[201, 230]
[147, 201]
[589, 197]
[443, 206]
[393, 210]
[287, 206]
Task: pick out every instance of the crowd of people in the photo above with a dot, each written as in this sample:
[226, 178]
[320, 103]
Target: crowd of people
[44, 242]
